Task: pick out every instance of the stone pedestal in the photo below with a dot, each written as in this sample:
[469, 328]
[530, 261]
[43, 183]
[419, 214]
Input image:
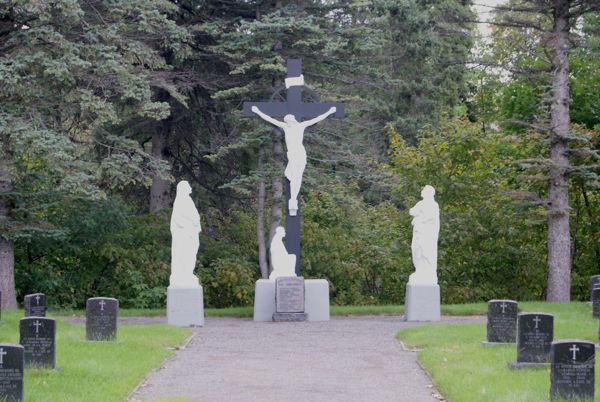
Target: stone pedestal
[422, 303]
[185, 306]
[316, 300]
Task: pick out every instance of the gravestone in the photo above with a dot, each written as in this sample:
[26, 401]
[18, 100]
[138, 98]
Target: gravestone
[594, 282]
[289, 299]
[572, 370]
[11, 372]
[35, 305]
[38, 338]
[101, 319]
[0, 306]
[596, 302]
[501, 322]
[535, 332]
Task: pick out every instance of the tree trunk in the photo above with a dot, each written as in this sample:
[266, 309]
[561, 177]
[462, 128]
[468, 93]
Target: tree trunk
[7, 247]
[260, 220]
[160, 192]
[277, 186]
[559, 241]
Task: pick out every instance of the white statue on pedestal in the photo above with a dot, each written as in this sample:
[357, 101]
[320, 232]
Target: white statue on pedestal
[296, 154]
[185, 230]
[284, 264]
[426, 229]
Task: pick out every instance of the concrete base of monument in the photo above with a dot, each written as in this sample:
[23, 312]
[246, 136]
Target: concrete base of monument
[316, 300]
[285, 317]
[185, 306]
[526, 365]
[422, 303]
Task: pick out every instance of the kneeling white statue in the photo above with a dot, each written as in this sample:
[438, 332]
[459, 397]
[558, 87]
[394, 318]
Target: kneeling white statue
[185, 230]
[284, 264]
[426, 228]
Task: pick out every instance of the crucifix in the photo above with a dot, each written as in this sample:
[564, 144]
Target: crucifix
[574, 349]
[503, 306]
[37, 326]
[537, 320]
[293, 111]
[37, 299]
[102, 303]
[2, 354]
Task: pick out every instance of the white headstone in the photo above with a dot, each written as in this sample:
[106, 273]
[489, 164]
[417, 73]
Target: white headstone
[284, 264]
[426, 228]
[185, 230]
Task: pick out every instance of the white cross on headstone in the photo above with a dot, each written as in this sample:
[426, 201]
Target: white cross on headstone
[37, 299]
[537, 320]
[2, 354]
[574, 349]
[503, 305]
[37, 326]
[102, 303]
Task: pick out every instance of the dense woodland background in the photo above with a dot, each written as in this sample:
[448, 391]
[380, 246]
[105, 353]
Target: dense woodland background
[105, 104]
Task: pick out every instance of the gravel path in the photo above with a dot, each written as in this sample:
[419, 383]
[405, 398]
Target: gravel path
[346, 359]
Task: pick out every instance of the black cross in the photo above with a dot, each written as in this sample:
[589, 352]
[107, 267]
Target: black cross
[300, 110]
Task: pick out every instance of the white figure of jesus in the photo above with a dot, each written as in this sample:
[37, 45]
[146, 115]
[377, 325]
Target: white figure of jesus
[296, 154]
[426, 229]
[185, 230]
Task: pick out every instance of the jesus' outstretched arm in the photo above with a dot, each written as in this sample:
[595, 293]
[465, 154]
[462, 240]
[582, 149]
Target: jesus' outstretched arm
[317, 119]
[268, 118]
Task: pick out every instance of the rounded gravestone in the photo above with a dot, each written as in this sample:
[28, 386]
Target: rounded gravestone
[101, 319]
[572, 366]
[11, 372]
[38, 338]
[501, 322]
[35, 305]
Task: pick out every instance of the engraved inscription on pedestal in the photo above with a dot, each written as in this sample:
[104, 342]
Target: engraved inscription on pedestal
[11, 372]
[535, 332]
[572, 370]
[35, 305]
[289, 299]
[38, 338]
[289, 296]
[101, 319]
[502, 321]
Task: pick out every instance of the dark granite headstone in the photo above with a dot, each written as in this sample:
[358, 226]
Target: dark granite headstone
[594, 282]
[289, 299]
[35, 305]
[38, 337]
[572, 370]
[596, 302]
[535, 332]
[11, 372]
[101, 319]
[502, 321]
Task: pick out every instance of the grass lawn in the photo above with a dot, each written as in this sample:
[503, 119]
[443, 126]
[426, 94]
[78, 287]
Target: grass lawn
[95, 371]
[464, 370]
[247, 311]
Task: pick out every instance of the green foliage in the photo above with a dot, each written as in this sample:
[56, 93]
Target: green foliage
[228, 283]
[359, 249]
[488, 246]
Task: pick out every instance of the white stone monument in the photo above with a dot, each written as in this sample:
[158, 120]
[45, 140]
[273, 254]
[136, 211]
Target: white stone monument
[284, 264]
[422, 291]
[316, 291]
[296, 153]
[185, 304]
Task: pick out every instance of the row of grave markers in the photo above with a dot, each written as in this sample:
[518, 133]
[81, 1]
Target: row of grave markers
[37, 340]
[571, 361]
